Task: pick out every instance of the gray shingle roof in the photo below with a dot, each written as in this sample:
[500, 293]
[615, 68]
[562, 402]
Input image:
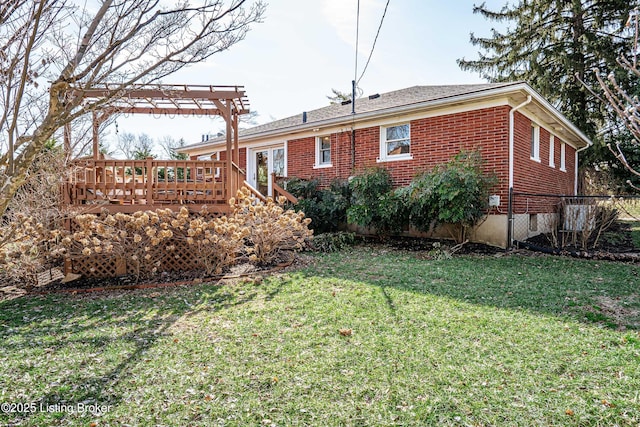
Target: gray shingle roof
[408, 96]
[402, 97]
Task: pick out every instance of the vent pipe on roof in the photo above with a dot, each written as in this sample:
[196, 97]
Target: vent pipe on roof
[304, 117]
[377, 95]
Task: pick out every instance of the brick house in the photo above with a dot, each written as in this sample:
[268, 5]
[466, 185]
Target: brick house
[525, 141]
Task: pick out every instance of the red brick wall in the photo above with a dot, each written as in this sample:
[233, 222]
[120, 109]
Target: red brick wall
[535, 177]
[434, 140]
[531, 176]
[301, 157]
[243, 157]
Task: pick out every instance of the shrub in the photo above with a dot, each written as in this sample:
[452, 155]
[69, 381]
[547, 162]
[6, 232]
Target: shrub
[374, 204]
[455, 193]
[327, 208]
[133, 238]
[27, 247]
[272, 229]
[31, 219]
[333, 242]
[217, 243]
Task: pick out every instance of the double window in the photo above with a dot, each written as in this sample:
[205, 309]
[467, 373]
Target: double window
[395, 142]
[323, 152]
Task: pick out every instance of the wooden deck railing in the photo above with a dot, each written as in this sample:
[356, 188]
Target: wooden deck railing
[147, 182]
[130, 185]
[278, 190]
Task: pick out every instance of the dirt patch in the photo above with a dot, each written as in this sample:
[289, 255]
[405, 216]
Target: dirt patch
[621, 310]
[620, 313]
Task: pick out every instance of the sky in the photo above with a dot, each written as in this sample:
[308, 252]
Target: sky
[290, 62]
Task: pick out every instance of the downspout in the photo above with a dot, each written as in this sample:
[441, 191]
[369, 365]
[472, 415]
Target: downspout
[353, 148]
[575, 179]
[511, 149]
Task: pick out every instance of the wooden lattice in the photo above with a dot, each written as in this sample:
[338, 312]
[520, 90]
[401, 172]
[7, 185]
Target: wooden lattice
[98, 266]
[180, 258]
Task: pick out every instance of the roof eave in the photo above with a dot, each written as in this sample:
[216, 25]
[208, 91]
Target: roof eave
[455, 99]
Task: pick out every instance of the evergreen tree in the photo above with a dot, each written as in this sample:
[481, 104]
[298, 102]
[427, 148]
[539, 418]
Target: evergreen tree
[554, 45]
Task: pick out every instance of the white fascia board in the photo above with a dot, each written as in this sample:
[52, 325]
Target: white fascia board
[361, 120]
[557, 114]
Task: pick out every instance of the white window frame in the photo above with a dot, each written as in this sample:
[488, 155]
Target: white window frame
[318, 164]
[552, 149]
[213, 156]
[563, 156]
[384, 157]
[535, 142]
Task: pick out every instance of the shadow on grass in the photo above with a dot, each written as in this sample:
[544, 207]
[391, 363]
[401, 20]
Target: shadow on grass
[77, 349]
[589, 291]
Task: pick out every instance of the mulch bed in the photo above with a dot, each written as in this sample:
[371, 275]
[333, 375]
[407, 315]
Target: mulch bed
[424, 244]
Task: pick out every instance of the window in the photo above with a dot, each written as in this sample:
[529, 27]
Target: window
[323, 152]
[563, 166]
[395, 143]
[535, 143]
[552, 149]
[208, 173]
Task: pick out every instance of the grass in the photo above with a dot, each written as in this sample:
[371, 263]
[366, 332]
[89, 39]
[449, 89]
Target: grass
[370, 336]
[635, 233]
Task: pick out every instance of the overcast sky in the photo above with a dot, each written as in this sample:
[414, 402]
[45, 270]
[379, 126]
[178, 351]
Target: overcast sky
[289, 63]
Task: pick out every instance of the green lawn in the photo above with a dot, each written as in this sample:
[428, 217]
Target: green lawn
[371, 336]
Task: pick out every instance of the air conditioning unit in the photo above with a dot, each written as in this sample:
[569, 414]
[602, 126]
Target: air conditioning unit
[579, 217]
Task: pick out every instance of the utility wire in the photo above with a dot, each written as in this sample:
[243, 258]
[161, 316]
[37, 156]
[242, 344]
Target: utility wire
[374, 41]
[355, 73]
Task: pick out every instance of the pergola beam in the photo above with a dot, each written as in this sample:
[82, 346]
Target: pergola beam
[159, 94]
[167, 100]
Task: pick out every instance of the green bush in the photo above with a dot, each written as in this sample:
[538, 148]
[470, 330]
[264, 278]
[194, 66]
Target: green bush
[333, 242]
[456, 192]
[327, 208]
[374, 204]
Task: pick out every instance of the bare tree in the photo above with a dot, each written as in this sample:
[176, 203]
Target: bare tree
[76, 46]
[126, 144]
[625, 104]
[143, 147]
[171, 146]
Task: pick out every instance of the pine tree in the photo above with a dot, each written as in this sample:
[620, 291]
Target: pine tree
[554, 45]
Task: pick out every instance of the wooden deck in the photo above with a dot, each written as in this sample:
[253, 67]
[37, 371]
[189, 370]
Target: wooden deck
[132, 185]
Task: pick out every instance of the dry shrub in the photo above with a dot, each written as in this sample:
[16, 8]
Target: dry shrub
[28, 229]
[255, 231]
[273, 229]
[133, 238]
[27, 247]
[581, 224]
[217, 243]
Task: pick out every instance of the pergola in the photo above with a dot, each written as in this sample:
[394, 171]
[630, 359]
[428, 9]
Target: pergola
[166, 100]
